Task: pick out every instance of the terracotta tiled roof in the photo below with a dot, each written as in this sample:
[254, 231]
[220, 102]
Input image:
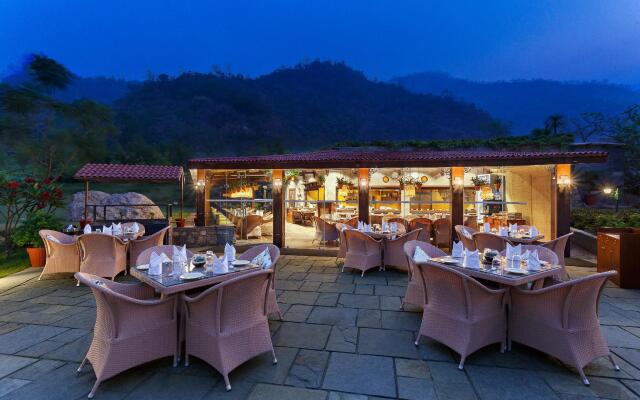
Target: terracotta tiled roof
[399, 158]
[129, 173]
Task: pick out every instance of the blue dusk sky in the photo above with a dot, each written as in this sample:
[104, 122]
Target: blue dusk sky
[479, 40]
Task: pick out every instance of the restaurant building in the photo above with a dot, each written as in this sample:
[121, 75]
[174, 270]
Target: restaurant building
[280, 198]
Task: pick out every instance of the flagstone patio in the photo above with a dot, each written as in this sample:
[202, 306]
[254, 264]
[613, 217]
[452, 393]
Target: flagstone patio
[343, 337]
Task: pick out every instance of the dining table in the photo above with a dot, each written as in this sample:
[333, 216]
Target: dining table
[514, 276]
[524, 238]
[169, 283]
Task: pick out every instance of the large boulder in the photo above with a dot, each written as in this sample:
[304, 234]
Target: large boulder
[116, 211]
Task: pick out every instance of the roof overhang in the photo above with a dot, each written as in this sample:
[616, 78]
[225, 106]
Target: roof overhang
[130, 173]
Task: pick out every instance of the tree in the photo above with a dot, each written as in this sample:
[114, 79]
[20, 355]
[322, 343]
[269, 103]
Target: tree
[625, 129]
[554, 123]
[47, 134]
[589, 124]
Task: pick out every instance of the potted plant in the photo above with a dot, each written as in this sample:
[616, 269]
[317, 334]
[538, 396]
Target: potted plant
[477, 182]
[27, 235]
[291, 174]
[180, 222]
[497, 183]
[344, 183]
[405, 180]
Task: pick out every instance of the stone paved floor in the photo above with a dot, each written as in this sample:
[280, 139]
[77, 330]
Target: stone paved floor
[343, 337]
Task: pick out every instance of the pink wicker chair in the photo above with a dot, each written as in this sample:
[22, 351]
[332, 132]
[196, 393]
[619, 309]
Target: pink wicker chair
[558, 246]
[353, 222]
[363, 251]
[562, 320]
[485, 240]
[143, 258]
[427, 228]
[442, 232]
[131, 328]
[141, 229]
[471, 223]
[137, 246]
[226, 325]
[61, 257]
[342, 250]
[274, 253]
[394, 250]
[460, 312]
[466, 239]
[102, 255]
[325, 232]
[415, 293]
[250, 226]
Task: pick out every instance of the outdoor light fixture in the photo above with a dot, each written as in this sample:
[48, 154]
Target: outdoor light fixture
[200, 185]
[363, 177]
[277, 178]
[615, 193]
[457, 181]
[607, 190]
[457, 177]
[564, 180]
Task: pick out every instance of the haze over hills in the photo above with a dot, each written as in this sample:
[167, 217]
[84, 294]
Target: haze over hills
[524, 104]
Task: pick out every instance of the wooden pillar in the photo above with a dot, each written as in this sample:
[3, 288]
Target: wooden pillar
[563, 202]
[277, 194]
[200, 219]
[363, 194]
[457, 198]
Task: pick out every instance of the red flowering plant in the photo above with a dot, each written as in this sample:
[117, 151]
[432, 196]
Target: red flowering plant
[22, 196]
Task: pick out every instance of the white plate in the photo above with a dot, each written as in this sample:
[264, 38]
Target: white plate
[191, 276]
[241, 262]
[142, 267]
[515, 271]
[449, 260]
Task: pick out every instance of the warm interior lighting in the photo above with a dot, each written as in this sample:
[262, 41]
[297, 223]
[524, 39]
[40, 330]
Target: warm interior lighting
[607, 190]
[276, 175]
[363, 177]
[564, 180]
[457, 177]
[457, 181]
[200, 185]
[409, 190]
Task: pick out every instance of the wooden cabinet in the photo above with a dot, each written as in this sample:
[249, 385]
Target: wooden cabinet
[619, 250]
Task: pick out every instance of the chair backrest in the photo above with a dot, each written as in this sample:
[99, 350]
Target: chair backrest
[253, 221]
[340, 227]
[99, 245]
[61, 237]
[155, 239]
[466, 237]
[544, 254]
[442, 231]
[426, 225]
[353, 222]
[400, 221]
[471, 223]
[251, 253]
[484, 240]
[360, 243]
[410, 248]
[233, 305]
[558, 246]
[452, 293]
[145, 255]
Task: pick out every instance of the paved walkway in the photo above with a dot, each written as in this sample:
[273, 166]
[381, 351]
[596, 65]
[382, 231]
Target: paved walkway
[343, 337]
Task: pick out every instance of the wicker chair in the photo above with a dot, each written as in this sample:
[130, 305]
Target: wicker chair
[274, 253]
[399, 221]
[325, 232]
[460, 312]
[427, 228]
[251, 226]
[63, 254]
[145, 255]
[226, 325]
[363, 251]
[342, 250]
[562, 320]
[102, 255]
[485, 240]
[394, 250]
[466, 237]
[141, 229]
[353, 222]
[471, 223]
[442, 232]
[131, 328]
[558, 246]
[415, 293]
[137, 246]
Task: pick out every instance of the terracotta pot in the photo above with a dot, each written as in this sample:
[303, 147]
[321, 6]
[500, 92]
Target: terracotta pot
[477, 188]
[37, 256]
[180, 222]
[84, 222]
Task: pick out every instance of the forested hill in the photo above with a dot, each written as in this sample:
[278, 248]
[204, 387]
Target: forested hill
[308, 106]
[524, 104]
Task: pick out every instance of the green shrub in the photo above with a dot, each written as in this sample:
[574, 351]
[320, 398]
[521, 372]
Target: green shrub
[27, 234]
[590, 219]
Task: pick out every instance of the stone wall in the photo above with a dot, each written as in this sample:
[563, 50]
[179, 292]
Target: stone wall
[203, 236]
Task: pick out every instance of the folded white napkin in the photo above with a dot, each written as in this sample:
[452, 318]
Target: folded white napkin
[135, 228]
[229, 252]
[487, 227]
[181, 252]
[107, 230]
[393, 226]
[533, 262]
[385, 226]
[513, 250]
[155, 263]
[420, 256]
[367, 228]
[503, 231]
[513, 228]
[87, 228]
[116, 229]
[220, 266]
[533, 231]
[263, 260]
[471, 259]
[457, 250]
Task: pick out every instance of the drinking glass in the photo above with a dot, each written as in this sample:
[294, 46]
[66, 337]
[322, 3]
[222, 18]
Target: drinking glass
[496, 263]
